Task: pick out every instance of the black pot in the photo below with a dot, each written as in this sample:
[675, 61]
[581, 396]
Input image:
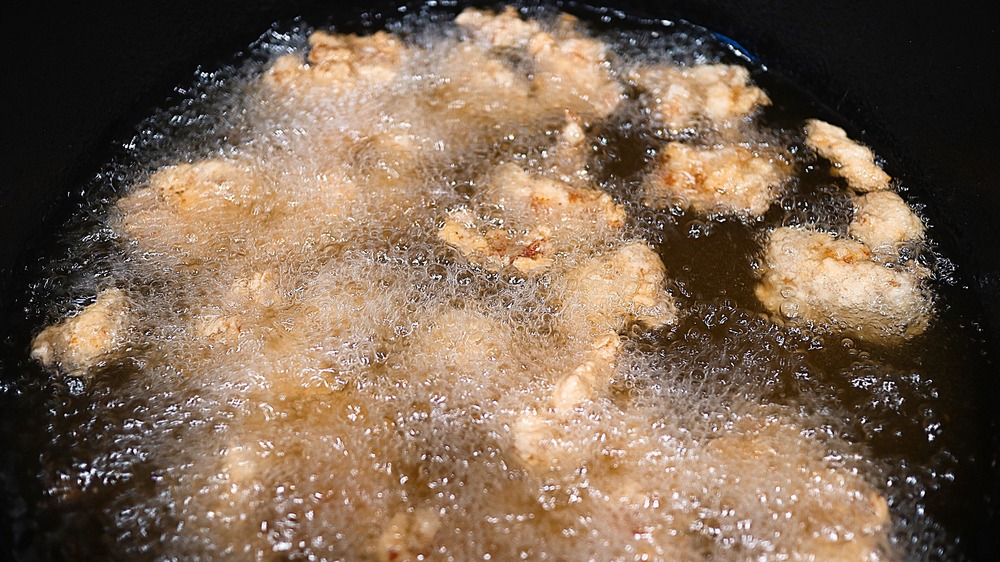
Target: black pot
[918, 82]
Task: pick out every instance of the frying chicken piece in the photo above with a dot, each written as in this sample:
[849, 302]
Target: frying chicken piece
[181, 204]
[197, 188]
[409, 535]
[684, 98]
[850, 160]
[465, 343]
[571, 71]
[541, 216]
[340, 62]
[816, 277]
[554, 201]
[79, 342]
[496, 248]
[832, 512]
[500, 30]
[590, 379]
[607, 292]
[882, 218]
[728, 179]
[763, 469]
[213, 210]
[259, 289]
[383, 158]
[574, 72]
[481, 88]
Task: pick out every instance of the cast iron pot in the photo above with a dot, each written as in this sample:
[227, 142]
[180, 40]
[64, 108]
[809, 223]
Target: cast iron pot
[918, 82]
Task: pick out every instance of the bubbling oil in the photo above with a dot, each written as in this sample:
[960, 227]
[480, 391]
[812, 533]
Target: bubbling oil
[311, 373]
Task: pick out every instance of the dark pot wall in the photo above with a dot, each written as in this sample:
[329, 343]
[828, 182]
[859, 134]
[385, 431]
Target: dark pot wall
[919, 81]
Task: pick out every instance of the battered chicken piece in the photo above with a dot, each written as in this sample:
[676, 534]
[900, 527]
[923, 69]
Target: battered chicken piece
[830, 512]
[408, 536]
[340, 62]
[882, 218]
[211, 211]
[850, 160]
[727, 179]
[610, 291]
[500, 30]
[574, 72]
[481, 88]
[465, 343]
[571, 71]
[541, 215]
[685, 98]
[816, 277]
[259, 289]
[383, 158]
[200, 187]
[763, 470]
[172, 211]
[79, 342]
[590, 379]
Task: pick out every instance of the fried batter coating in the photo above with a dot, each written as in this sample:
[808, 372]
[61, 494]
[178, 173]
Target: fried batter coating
[482, 88]
[627, 285]
[408, 536]
[571, 71]
[182, 205]
[762, 469]
[816, 277]
[574, 73]
[684, 98]
[590, 379]
[832, 512]
[850, 160]
[500, 30]
[541, 216]
[569, 154]
[209, 211]
[727, 179]
[340, 62]
[882, 218]
[79, 342]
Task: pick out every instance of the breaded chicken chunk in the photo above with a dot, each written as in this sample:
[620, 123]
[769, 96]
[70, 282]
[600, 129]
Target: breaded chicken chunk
[570, 70]
[500, 30]
[762, 468]
[575, 73]
[340, 62]
[482, 88]
[684, 98]
[178, 201]
[409, 536]
[727, 179]
[832, 512]
[628, 285]
[78, 343]
[882, 218]
[541, 215]
[590, 379]
[816, 277]
[850, 160]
